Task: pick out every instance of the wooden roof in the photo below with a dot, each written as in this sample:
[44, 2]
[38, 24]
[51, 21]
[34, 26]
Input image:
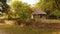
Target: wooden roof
[38, 11]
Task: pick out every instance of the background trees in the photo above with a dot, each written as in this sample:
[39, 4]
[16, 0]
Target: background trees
[4, 8]
[51, 7]
[23, 10]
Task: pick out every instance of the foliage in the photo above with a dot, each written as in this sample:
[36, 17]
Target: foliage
[56, 13]
[3, 6]
[4, 1]
[50, 7]
[22, 10]
[30, 22]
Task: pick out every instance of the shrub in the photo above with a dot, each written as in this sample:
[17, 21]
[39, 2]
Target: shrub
[30, 22]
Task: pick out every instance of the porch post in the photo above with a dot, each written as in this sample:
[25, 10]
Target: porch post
[32, 17]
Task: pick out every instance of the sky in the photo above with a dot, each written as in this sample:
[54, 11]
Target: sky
[32, 2]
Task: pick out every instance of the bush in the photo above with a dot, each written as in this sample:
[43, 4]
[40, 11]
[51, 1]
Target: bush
[19, 21]
[30, 22]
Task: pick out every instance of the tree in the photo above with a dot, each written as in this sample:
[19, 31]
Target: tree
[50, 6]
[21, 9]
[3, 6]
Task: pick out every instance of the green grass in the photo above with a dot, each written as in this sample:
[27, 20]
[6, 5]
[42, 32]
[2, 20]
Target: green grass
[26, 30]
[48, 20]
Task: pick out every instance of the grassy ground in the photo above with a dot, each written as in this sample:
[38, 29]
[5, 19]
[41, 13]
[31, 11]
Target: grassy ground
[49, 20]
[26, 30]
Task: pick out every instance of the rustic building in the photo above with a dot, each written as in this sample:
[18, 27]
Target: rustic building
[38, 14]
